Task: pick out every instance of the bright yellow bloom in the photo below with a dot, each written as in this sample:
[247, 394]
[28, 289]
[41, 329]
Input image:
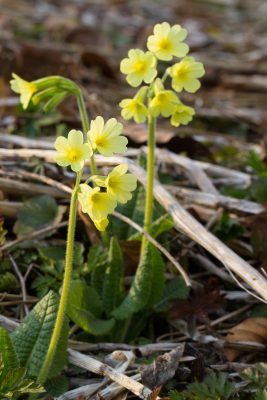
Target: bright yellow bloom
[24, 88]
[72, 150]
[119, 184]
[106, 137]
[185, 73]
[166, 41]
[139, 66]
[135, 108]
[96, 204]
[183, 115]
[102, 224]
[164, 102]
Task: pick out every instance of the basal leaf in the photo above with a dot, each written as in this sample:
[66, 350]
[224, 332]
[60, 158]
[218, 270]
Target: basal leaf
[157, 279]
[31, 339]
[113, 279]
[35, 213]
[9, 356]
[85, 307]
[97, 264]
[140, 290]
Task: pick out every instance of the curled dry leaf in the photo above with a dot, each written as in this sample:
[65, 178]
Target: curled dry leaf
[162, 369]
[250, 330]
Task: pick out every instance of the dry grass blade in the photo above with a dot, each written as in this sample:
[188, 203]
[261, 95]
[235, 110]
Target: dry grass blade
[93, 365]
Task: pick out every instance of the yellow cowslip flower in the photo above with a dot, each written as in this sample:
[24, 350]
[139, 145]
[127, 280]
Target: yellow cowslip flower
[166, 41]
[24, 88]
[182, 115]
[72, 150]
[135, 108]
[102, 224]
[106, 137]
[164, 102]
[139, 66]
[185, 73]
[119, 184]
[96, 204]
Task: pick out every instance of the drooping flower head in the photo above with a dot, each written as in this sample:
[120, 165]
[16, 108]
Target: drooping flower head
[185, 73]
[139, 66]
[118, 183]
[182, 115]
[24, 88]
[106, 137]
[98, 205]
[135, 108]
[164, 102]
[72, 150]
[166, 41]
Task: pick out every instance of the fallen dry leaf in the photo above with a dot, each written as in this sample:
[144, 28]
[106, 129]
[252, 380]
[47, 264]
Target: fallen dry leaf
[162, 369]
[250, 330]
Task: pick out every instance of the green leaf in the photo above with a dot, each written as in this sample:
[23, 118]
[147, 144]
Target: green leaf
[258, 190]
[140, 290]
[174, 289]
[85, 297]
[57, 385]
[35, 214]
[57, 253]
[8, 281]
[32, 338]
[97, 264]
[8, 355]
[162, 224]
[259, 311]
[12, 379]
[84, 308]
[113, 279]
[256, 163]
[157, 279]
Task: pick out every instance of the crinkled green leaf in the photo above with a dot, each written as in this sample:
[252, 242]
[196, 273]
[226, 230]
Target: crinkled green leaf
[31, 339]
[140, 290]
[157, 277]
[113, 279]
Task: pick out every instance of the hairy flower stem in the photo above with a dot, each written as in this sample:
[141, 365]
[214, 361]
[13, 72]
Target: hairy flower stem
[65, 288]
[150, 178]
[85, 124]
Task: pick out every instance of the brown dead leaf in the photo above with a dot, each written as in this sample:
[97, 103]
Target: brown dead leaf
[250, 330]
[162, 369]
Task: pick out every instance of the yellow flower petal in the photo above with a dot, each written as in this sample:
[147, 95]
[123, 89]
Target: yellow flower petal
[24, 88]
[120, 184]
[72, 151]
[107, 138]
[166, 41]
[102, 224]
[185, 73]
[139, 66]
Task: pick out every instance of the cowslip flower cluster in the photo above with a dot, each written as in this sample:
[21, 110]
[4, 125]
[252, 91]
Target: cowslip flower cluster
[156, 98]
[100, 196]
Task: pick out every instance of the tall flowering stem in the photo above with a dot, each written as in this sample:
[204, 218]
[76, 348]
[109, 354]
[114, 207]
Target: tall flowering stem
[150, 177]
[85, 124]
[66, 285]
